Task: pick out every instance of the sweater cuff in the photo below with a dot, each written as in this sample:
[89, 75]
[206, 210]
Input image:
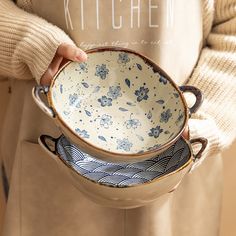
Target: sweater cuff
[28, 43]
[41, 43]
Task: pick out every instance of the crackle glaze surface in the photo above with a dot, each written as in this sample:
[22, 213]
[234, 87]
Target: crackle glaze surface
[123, 174]
[116, 102]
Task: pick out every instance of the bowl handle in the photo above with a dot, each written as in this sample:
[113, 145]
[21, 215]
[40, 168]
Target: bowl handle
[35, 94]
[43, 142]
[197, 93]
[197, 157]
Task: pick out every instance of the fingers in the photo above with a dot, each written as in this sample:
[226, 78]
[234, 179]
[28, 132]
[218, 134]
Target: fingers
[56, 62]
[52, 70]
[71, 52]
[63, 62]
[64, 53]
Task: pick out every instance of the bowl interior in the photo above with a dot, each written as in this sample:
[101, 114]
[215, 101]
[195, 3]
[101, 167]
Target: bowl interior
[118, 102]
[123, 174]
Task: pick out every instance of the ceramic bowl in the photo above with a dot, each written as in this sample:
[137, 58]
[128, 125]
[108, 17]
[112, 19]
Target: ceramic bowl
[118, 106]
[123, 185]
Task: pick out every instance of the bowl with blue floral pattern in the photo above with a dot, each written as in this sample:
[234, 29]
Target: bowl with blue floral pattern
[118, 105]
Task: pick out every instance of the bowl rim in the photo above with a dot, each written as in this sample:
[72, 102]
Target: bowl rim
[190, 160]
[86, 143]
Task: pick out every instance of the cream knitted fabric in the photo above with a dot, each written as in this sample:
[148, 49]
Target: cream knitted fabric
[28, 44]
[215, 75]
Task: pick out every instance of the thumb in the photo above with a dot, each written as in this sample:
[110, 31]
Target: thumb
[71, 52]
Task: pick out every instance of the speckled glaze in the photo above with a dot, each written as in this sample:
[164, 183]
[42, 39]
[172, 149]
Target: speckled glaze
[122, 185]
[118, 105]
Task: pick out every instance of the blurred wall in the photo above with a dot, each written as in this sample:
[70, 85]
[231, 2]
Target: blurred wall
[4, 95]
[228, 217]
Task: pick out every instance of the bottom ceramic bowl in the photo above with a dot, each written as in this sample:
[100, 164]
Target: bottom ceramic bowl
[123, 185]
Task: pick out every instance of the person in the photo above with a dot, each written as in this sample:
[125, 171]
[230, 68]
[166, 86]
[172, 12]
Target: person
[193, 41]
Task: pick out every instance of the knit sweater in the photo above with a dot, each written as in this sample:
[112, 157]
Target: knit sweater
[28, 44]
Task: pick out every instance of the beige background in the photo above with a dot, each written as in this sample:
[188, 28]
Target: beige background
[228, 220]
[3, 104]
[228, 223]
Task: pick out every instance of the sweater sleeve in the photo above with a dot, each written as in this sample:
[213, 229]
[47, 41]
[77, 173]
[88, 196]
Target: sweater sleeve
[215, 75]
[27, 42]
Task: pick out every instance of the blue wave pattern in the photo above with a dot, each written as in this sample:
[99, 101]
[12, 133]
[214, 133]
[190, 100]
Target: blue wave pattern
[123, 174]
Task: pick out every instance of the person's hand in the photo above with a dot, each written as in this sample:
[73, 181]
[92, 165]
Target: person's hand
[65, 52]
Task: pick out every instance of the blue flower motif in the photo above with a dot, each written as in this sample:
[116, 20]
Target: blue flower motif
[83, 67]
[61, 88]
[165, 116]
[154, 147]
[83, 133]
[66, 113]
[155, 132]
[114, 92]
[102, 71]
[105, 101]
[123, 58]
[132, 123]
[124, 144]
[74, 100]
[54, 94]
[106, 121]
[163, 80]
[141, 94]
[180, 117]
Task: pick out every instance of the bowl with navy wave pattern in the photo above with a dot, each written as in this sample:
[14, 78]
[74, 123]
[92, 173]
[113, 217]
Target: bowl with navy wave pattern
[121, 184]
[118, 105]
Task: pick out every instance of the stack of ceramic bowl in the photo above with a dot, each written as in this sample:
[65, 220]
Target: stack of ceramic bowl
[122, 118]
